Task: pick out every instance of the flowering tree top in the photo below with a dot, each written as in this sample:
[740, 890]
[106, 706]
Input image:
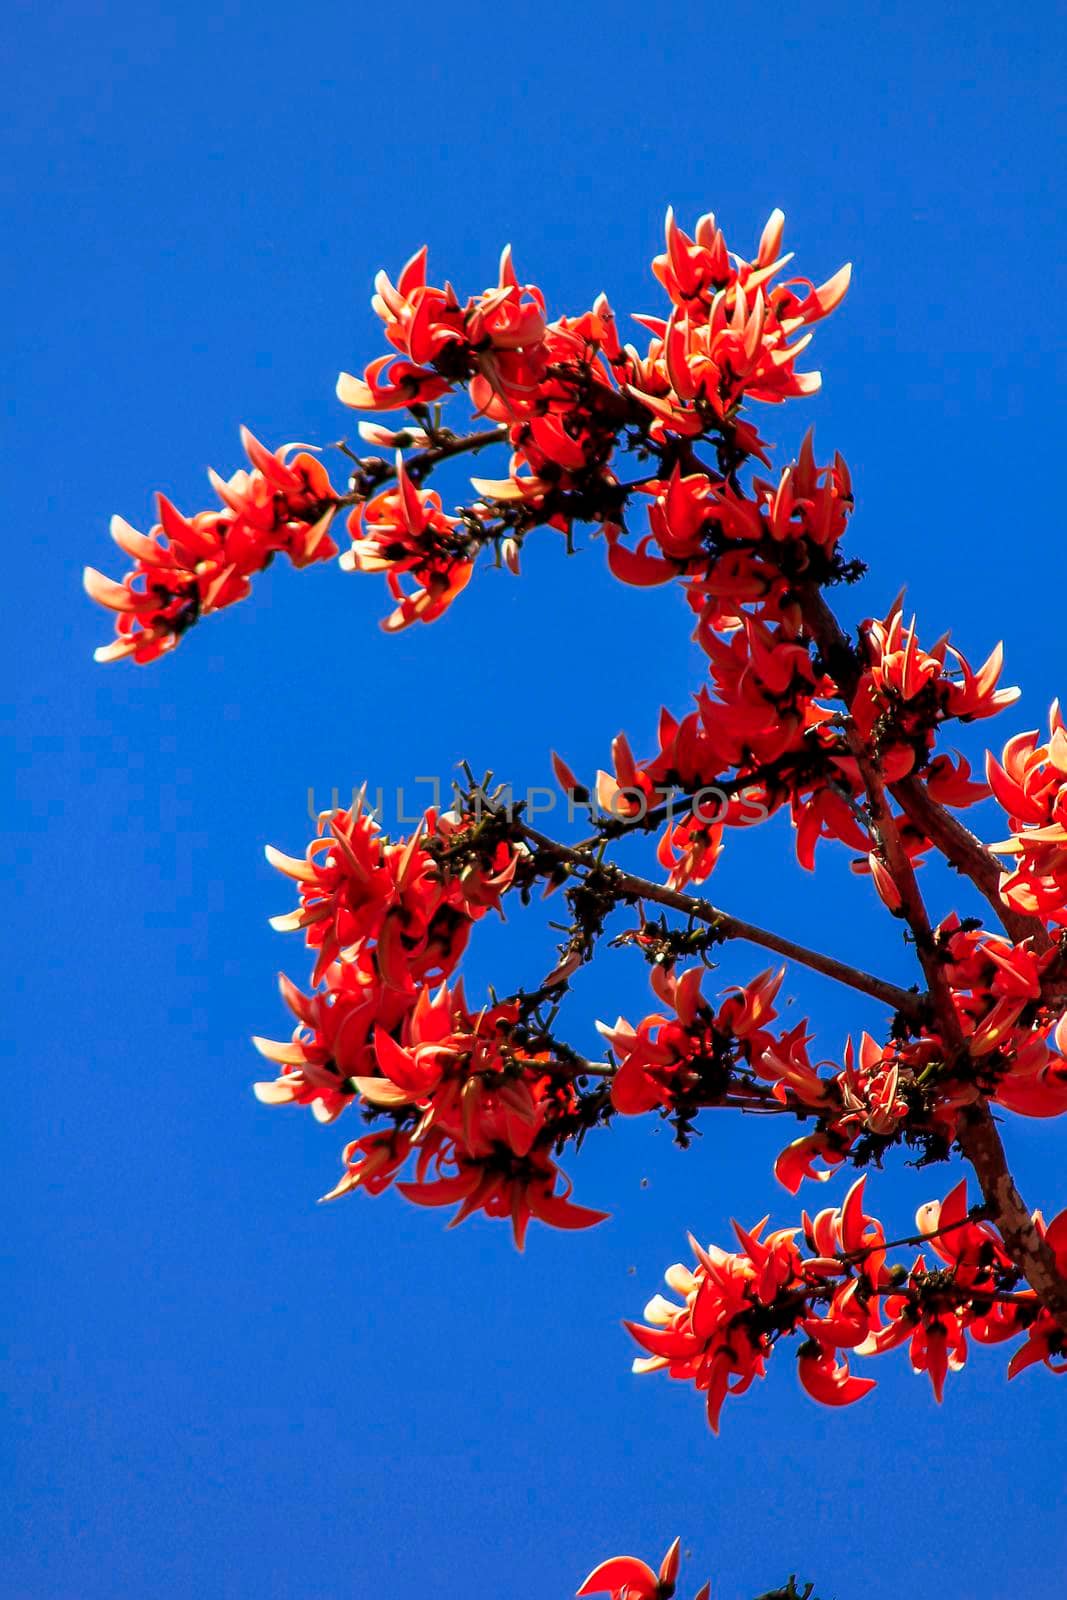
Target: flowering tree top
[470, 1103]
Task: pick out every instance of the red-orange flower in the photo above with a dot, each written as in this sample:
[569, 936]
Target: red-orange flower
[691, 1056]
[333, 1042]
[729, 333]
[627, 1578]
[190, 566]
[358, 890]
[720, 1337]
[909, 691]
[501, 1184]
[403, 530]
[1030, 782]
[1045, 1340]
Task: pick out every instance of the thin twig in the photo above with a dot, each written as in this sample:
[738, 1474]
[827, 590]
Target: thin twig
[981, 1143]
[726, 926]
[374, 471]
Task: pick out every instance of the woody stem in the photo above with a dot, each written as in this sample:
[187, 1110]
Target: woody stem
[627, 886]
[912, 906]
[980, 1142]
[977, 1132]
[372, 471]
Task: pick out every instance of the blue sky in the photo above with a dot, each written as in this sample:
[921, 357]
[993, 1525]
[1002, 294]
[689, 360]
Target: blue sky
[213, 1386]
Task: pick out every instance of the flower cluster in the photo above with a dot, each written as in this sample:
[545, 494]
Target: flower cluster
[829, 1282]
[737, 549]
[358, 891]
[567, 394]
[761, 727]
[404, 530]
[998, 991]
[627, 1578]
[1030, 782]
[478, 1110]
[906, 693]
[767, 718]
[549, 383]
[728, 335]
[495, 343]
[189, 566]
[471, 1097]
[1015, 1050]
[697, 1056]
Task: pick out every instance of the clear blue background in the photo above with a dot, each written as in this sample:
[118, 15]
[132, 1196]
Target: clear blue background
[214, 1387]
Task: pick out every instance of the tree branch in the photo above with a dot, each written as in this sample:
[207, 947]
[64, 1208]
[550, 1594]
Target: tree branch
[913, 907]
[730, 927]
[977, 1132]
[980, 1142]
[373, 471]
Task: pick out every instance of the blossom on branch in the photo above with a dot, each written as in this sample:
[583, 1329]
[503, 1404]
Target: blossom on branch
[829, 1283]
[1030, 782]
[698, 1055]
[190, 566]
[627, 1578]
[652, 445]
